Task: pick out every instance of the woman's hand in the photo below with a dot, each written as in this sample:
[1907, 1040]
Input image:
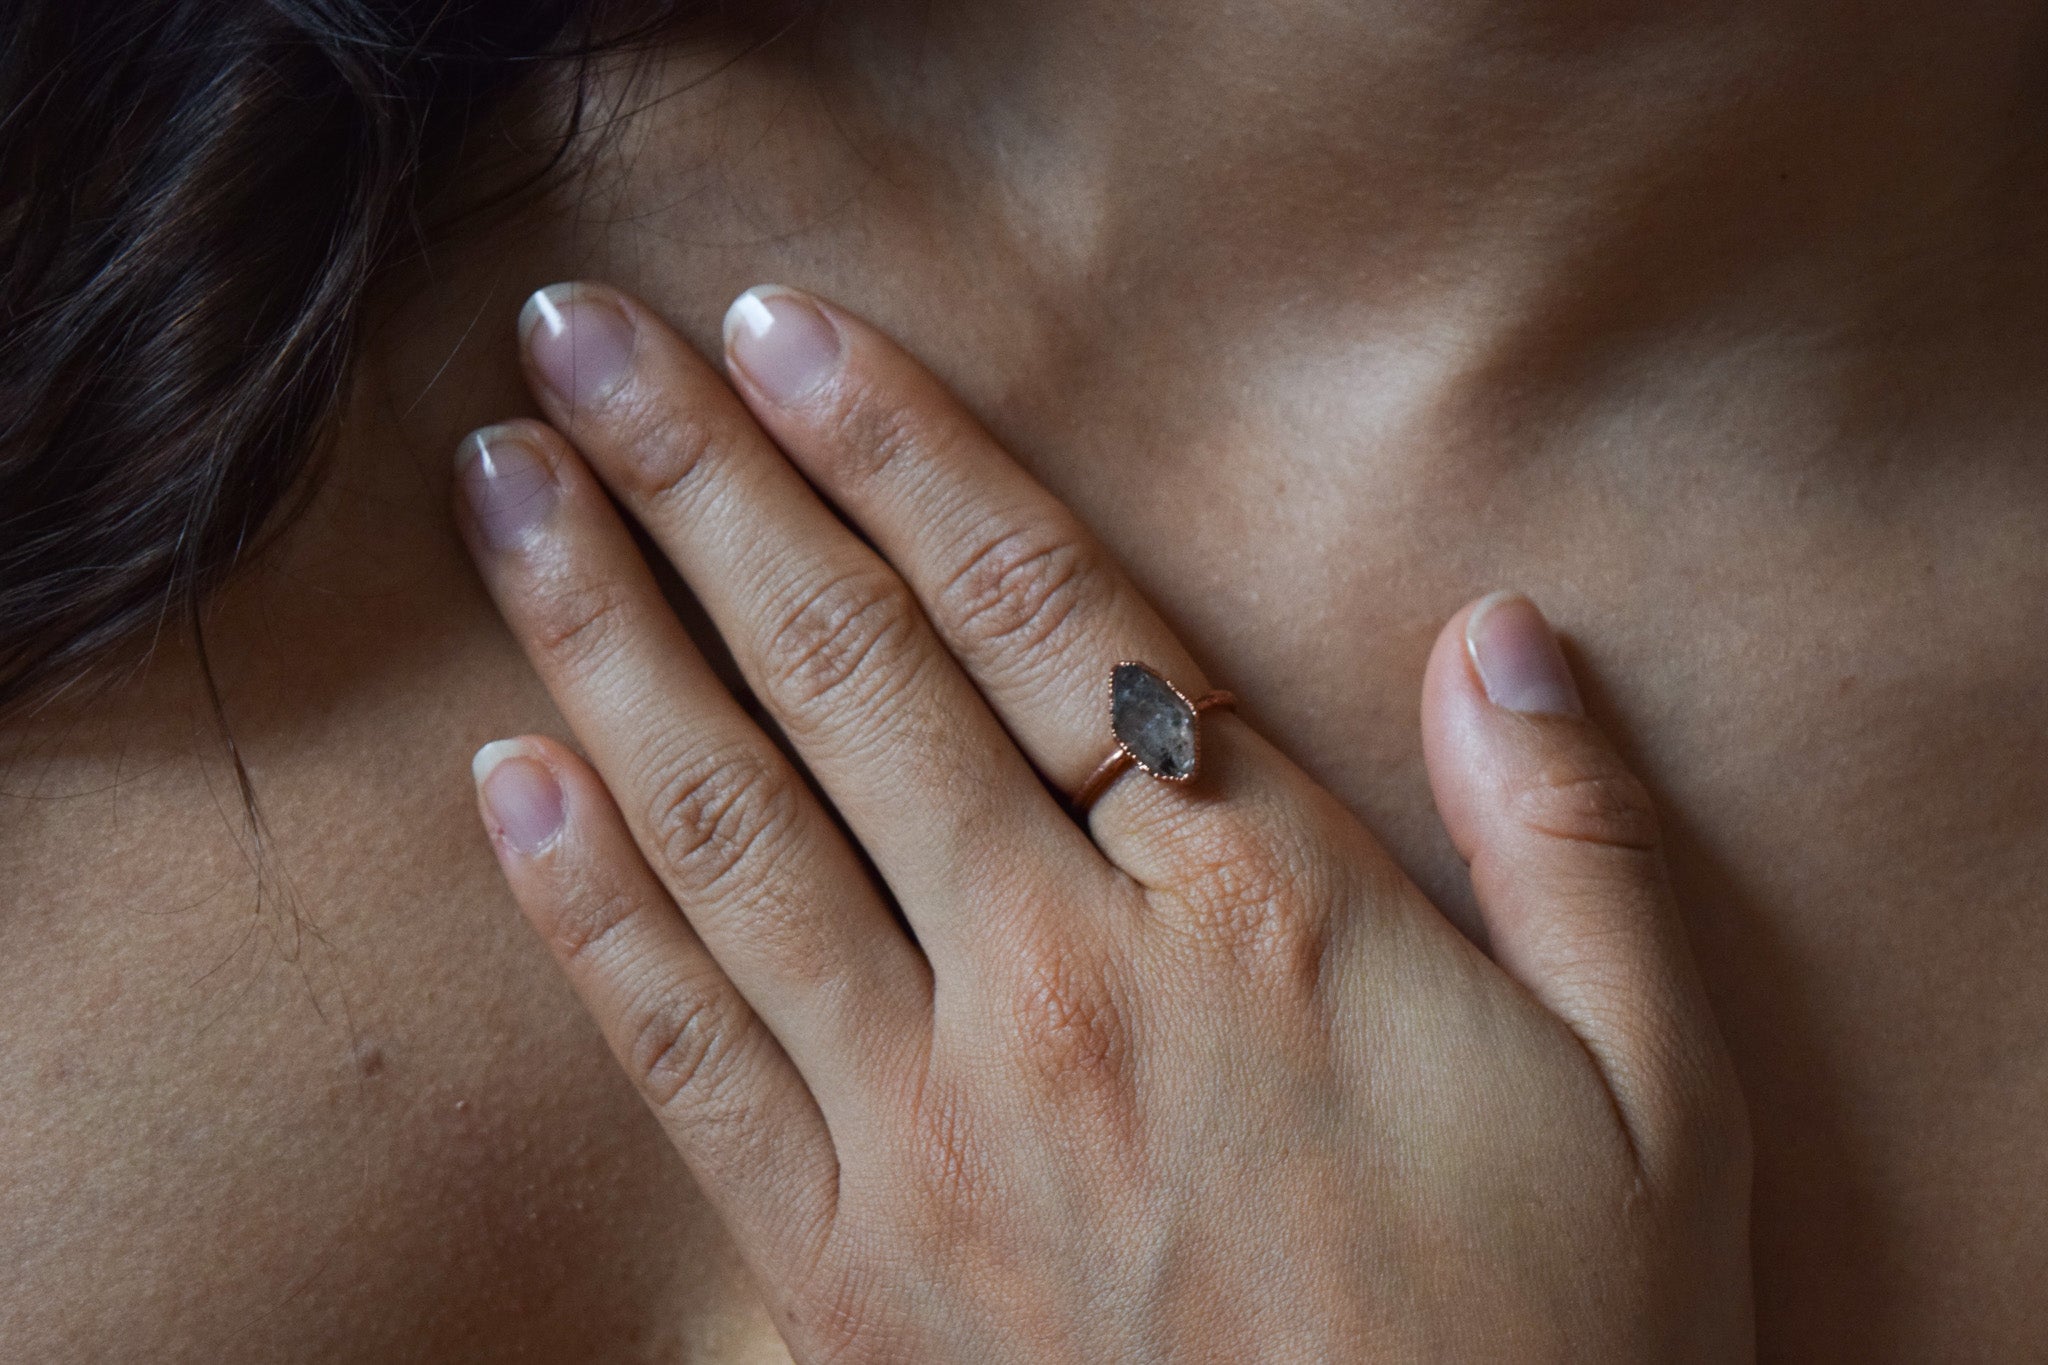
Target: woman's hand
[1204, 1078]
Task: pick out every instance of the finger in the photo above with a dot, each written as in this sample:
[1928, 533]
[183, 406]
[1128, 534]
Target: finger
[824, 630]
[1032, 604]
[1567, 867]
[725, 821]
[715, 1077]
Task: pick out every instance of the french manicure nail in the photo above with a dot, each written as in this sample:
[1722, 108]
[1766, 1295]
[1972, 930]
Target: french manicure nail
[522, 800]
[782, 342]
[1518, 658]
[509, 486]
[580, 340]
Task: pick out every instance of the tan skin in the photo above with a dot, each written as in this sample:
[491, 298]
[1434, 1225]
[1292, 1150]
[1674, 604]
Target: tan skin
[1213, 1081]
[1716, 334]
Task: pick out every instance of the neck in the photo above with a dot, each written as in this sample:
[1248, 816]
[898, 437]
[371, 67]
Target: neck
[1671, 147]
[1542, 198]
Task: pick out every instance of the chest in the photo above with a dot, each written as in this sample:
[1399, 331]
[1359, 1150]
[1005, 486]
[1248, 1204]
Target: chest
[363, 1095]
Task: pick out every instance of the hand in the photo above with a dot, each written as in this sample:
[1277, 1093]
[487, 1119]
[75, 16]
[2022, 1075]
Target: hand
[1204, 1078]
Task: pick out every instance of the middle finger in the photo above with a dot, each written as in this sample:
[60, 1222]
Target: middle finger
[1032, 603]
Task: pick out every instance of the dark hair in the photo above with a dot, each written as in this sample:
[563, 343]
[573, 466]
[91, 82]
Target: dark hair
[194, 195]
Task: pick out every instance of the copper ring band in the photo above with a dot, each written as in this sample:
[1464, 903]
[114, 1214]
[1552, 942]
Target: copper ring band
[1111, 768]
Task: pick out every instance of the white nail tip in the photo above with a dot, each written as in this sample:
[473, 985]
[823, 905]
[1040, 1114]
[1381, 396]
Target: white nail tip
[491, 755]
[542, 309]
[550, 314]
[750, 312]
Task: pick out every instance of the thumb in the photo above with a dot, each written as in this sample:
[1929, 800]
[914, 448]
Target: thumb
[1564, 850]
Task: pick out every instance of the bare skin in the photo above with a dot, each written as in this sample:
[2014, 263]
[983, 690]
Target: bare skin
[1710, 331]
[1213, 1082]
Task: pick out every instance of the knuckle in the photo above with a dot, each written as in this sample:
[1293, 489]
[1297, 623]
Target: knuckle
[584, 925]
[720, 812]
[1589, 799]
[1069, 1030]
[684, 1050]
[575, 624]
[664, 446]
[1018, 591]
[871, 431]
[1253, 900]
[848, 634]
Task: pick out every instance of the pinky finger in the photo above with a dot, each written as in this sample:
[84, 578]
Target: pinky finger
[725, 1092]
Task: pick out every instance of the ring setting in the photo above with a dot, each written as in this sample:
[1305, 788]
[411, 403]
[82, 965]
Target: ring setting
[1155, 727]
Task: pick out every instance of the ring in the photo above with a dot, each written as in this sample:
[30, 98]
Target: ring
[1153, 723]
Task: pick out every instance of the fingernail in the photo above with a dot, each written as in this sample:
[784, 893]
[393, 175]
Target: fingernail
[580, 340]
[522, 800]
[1518, 659]
[785, 345]
[509, 486]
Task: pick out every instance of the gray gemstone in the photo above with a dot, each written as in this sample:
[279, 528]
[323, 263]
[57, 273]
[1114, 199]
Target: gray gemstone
[1151, 720]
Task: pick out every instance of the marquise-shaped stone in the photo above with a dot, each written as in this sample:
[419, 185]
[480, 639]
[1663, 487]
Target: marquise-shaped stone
[1154, 723]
